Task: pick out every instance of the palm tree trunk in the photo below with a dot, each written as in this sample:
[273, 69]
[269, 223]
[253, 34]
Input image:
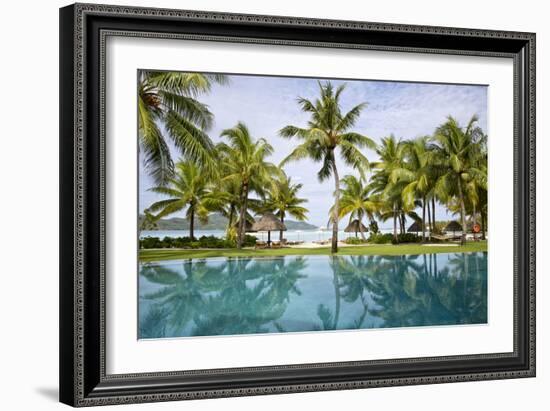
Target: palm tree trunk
[474, 221]
[394, 222]
[433, 213]
[230, 219]
[429, 221]
[192, 222]
[336, 210]
[462, 212]
[424, 219]
[282, 222]
[242, 215]
[231, 215]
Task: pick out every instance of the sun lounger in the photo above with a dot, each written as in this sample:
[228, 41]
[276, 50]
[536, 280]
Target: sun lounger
[260, 245]
[446, 237]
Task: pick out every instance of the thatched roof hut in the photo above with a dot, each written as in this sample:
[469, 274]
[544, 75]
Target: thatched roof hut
[268, 222]
[453, 226]
[355, 227]
[415, 227]
[247, 226]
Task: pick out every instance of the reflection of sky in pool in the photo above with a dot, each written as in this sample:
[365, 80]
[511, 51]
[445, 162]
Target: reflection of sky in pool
[310, 293]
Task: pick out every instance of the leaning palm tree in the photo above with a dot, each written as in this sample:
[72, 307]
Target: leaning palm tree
[327, 130]
[357, 201]
[149, 221]
[169, 100]
[457, 150]
[283, 199]
[187, 189]
[246, 163]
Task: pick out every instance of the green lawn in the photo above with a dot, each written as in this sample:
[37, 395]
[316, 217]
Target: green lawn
[375, 249]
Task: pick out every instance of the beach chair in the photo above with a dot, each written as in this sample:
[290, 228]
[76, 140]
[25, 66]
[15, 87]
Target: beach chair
[441, 237]
[260, 245]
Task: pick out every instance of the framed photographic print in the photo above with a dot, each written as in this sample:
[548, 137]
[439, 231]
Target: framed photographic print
[261, 204]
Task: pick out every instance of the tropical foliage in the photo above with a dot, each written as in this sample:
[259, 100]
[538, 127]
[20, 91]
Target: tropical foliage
[282, 199]
[237, 177]
[357, 201]
[187, 190]
[327, 130]
[245, 163]
[168, 101]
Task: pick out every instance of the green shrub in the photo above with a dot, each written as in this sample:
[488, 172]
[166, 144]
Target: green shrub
[388, 238]
[380, 238]
[249, 240]
[355, 240]
[187, 242]
[150, 242]
[407, 238]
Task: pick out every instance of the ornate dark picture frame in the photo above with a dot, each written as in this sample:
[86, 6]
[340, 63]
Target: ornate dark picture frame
[83, 30]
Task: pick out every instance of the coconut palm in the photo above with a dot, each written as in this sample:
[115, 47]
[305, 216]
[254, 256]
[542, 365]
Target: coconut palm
[246, 163]
[457, 151]
[169, 100]
[476, 188]
[328, 130]
[149, 221]
[392, 156]
[283, 200]
[188, 189]
[356, 200]
[416, 172]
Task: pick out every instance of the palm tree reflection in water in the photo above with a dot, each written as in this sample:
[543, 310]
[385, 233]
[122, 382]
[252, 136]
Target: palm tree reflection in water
[310, 293]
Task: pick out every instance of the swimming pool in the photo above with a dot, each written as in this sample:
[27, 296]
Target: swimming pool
[232, 296]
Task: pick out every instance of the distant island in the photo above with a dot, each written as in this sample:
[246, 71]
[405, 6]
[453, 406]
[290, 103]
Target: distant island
[216, 222]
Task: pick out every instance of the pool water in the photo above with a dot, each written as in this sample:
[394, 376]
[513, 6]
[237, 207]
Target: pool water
[231, 296]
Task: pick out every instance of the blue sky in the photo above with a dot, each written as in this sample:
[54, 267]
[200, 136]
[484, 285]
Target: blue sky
[266, 104]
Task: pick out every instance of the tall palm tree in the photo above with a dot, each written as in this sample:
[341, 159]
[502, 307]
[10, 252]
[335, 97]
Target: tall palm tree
[283, 199]
[169, 100]
[477, 187]
[357, 201]
[246, 163]
[329, 129]
[457, 150]
[187, 189]
[416, 172]
[392, 156]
